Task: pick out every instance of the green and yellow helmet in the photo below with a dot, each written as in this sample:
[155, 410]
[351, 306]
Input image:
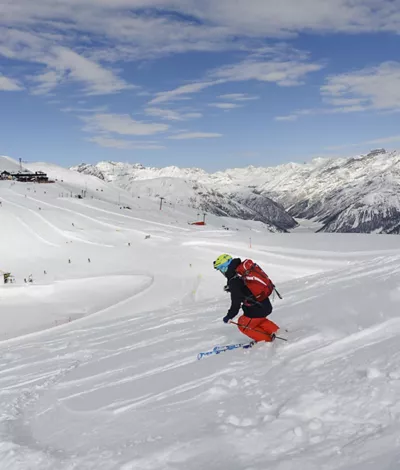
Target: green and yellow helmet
[222, 263]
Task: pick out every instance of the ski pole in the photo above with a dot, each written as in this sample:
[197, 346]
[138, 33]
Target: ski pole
[258, 331]
[277, 293]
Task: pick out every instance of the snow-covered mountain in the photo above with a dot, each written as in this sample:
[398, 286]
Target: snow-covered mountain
[360, 194]
[99, 364]
[192, 187]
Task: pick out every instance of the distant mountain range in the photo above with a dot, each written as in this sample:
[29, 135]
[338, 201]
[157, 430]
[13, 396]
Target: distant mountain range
[360, 194]
[192, 187]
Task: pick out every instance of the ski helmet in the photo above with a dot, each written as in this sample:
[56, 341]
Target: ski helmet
[222, 263]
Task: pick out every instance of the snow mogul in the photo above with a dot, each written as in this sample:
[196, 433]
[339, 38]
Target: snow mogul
[250, 289]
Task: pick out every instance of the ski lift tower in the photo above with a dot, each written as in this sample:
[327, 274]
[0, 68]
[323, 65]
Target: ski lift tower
[20, 164]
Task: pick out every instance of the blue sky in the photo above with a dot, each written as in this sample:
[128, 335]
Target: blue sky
[207, 83]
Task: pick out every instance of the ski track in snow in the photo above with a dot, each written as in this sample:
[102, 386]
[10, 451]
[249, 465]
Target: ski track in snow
[63, 233]
[92, 219]
[29, 229]
[121, 388]
[150, 222]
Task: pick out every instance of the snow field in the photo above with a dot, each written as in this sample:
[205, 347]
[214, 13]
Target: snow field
[119, 387]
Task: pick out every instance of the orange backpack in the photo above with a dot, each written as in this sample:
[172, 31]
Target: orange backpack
[255, 279]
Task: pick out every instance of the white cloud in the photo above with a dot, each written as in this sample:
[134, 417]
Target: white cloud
[384, 140]
[123, 29]
[315, 111]
[8, 84]
[290, 72]
[370, 89]
[80, 109]
[21, 45]
[120, 30]
[278, 65]
[225, 105]
[375, 88]
[193, 115]
[76, 41]
[378, 141]
[121, 124]
[58, 64]
[47, 81]
[272, 18]
[289, 117]
[98, 79]
[346, 102]
[171, 115]
[194, 135]
[126, 32]
[238, 97]
[65, 64]
[182, 91]
[122, 144]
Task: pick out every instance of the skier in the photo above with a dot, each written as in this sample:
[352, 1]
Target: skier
[250, 288]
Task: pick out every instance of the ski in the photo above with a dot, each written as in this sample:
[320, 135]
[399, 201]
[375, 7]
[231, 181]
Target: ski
[228, 347]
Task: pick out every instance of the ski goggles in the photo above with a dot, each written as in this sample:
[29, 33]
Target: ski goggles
[223, 268]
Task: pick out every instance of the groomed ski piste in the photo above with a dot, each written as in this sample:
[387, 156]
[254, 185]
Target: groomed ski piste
[98, 355]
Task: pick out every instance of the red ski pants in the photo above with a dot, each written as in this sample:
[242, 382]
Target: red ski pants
[264, 328]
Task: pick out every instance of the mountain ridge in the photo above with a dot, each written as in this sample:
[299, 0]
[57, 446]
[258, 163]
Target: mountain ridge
[357, 194]
[186, 186]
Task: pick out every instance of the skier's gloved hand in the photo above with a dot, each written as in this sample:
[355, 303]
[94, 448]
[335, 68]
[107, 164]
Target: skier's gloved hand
[226, 288]
[226, 319]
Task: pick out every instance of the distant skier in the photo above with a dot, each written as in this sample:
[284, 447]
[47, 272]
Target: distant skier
[250, 289]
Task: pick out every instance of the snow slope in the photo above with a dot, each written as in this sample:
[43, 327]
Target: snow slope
[10, 165]
[360, 194]
[98, 363]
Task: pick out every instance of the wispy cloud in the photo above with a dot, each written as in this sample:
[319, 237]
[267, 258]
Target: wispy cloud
[369, 89]
[83, 43]
[289, 117]
[378, 141]
[126, 33]
[122, 144]
[194, 135]
[45, 82]
[269, 18]
[182, 91]
[238, 97]
[66, 65]
[9, 84]
[121, 124]
[171, 115]
[80, 109]
[282, 66]
[289, 72]
[58, 64]
[225, 105]
[317, 111]
[384, 140]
